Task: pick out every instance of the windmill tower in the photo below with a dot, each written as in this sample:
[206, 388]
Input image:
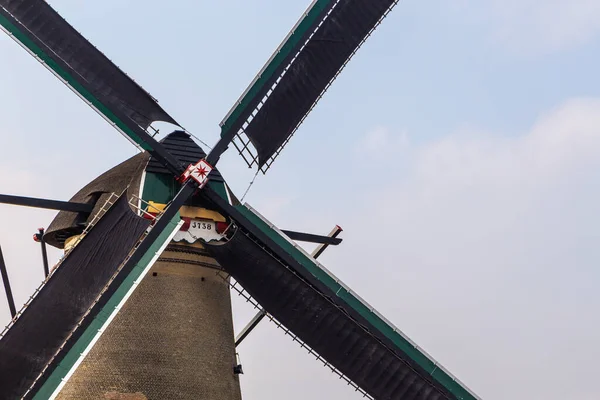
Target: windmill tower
[134, 310]
[174, 336]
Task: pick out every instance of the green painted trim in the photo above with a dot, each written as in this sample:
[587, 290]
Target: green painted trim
[308, 21]
[71, 81]
[160, 188]
[219, 187]
[63, 368]
[403, 344]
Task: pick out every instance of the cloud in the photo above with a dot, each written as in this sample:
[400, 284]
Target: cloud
[481, 247]
[486, 253]
[531, 25]
[380, 141]
[274, 205]
[562, 141]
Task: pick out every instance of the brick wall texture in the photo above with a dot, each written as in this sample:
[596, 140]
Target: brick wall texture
[173, 339]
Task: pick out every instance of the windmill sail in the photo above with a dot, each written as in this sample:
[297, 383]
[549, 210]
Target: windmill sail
[46, 35]
[38, 334]
[325, 314]
[54, 329]
[298, 74]
[101, 315]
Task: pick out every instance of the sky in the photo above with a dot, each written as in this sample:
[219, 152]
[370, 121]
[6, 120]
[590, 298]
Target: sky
[459, 150]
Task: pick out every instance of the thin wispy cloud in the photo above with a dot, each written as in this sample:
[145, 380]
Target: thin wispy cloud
[493, 234]
[531, 26]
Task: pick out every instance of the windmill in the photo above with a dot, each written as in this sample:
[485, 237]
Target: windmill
[163, 230]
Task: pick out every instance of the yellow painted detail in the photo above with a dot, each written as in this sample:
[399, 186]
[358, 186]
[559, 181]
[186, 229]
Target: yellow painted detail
[189, 212]
[70, 242]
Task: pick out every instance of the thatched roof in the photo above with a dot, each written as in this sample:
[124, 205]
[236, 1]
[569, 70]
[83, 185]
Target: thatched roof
[126, 175]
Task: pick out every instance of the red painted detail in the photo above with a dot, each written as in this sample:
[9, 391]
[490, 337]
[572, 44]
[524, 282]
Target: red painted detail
[198, 172]
[186, 224]
[221, 227]
[150, 215]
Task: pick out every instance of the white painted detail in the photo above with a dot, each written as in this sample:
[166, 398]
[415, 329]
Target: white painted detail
[141, 193]
[198, 172]
[228, 194]
[199, 229]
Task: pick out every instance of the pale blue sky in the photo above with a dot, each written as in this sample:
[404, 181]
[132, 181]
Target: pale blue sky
[459, 150]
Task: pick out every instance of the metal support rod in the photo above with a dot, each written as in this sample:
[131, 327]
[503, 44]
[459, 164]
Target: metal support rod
[40, 238]
[309, 237]
[263, 313]
[320, 249]
[246, 331]
[45, 203]
[9, 295]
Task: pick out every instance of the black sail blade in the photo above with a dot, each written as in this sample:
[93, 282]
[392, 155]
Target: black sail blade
[97, 80]
[85, 64]
[326, 315]
[298, 74]
[31, 343]
[381, 371]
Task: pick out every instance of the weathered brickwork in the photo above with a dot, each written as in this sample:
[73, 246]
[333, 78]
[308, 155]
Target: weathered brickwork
[172, 340]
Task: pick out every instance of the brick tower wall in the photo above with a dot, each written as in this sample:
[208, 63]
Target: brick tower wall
[173, 339]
